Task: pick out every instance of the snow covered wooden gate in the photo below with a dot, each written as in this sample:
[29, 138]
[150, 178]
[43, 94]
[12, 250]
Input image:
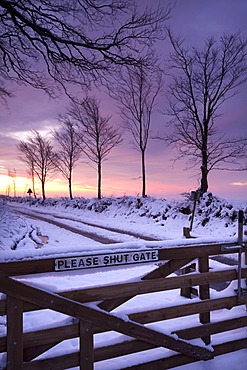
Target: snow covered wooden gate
[23, 348]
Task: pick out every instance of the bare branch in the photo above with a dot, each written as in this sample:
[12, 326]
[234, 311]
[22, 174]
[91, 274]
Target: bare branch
[73, 41]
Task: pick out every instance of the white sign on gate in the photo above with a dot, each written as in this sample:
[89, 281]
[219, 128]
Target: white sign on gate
[109, 259]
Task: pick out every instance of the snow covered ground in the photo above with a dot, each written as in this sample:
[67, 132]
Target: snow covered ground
[215, 218]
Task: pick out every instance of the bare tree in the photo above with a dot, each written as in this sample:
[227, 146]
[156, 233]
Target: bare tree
[12, 176]
[136, 92]
[204, 80]
[37, 153]
[73, 41]
[99, 137]
[70, 149]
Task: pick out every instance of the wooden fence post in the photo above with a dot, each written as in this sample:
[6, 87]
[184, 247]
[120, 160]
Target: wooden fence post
[203, 264]
[186, 232]
[188, 291]
[14, 334]
[86, 346]
[245, 249]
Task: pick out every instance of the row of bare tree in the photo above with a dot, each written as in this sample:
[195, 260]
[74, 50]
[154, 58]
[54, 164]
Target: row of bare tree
[101, 43]
[83, 130]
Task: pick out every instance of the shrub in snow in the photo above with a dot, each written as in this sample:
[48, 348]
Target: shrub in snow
[208, 208]
[185, 210]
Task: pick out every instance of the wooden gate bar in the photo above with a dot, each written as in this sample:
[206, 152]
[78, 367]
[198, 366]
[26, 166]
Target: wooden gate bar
[167, 268]
[55, 302]
[149, 286]
[212, 328]
[27, 267]
[179, 360]
[172, 312]
[194, 250]
[67, 361]
[14, 333]
[180, 251]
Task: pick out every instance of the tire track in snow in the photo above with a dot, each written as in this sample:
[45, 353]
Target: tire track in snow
[112, 229]
[91, 235]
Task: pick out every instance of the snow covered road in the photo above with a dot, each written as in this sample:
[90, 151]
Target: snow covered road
[88, 229]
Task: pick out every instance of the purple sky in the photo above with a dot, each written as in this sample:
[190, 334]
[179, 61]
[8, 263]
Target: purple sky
[31, 109]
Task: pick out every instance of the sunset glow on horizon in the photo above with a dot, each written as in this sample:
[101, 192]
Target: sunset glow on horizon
[59, 188]
[117, 187]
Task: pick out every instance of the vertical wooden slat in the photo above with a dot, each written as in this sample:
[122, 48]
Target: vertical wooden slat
[14, 334]
[203, 264]
[86, 346]
[245, 250]
[245, 254]
[188, 291]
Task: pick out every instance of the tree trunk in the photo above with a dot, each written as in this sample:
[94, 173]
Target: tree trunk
[43, 189]
[34, 192]
[204, 180]
[33, 184]
[70, 188]
[143, 175]
[99, 179]
[204, 166]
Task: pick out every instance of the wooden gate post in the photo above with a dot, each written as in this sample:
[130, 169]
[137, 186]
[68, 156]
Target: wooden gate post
[86, 346]
[14, 334]
[203, 264]
[188, 291]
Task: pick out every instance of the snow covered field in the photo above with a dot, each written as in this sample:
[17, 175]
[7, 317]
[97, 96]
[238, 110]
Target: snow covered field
[215, 218]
